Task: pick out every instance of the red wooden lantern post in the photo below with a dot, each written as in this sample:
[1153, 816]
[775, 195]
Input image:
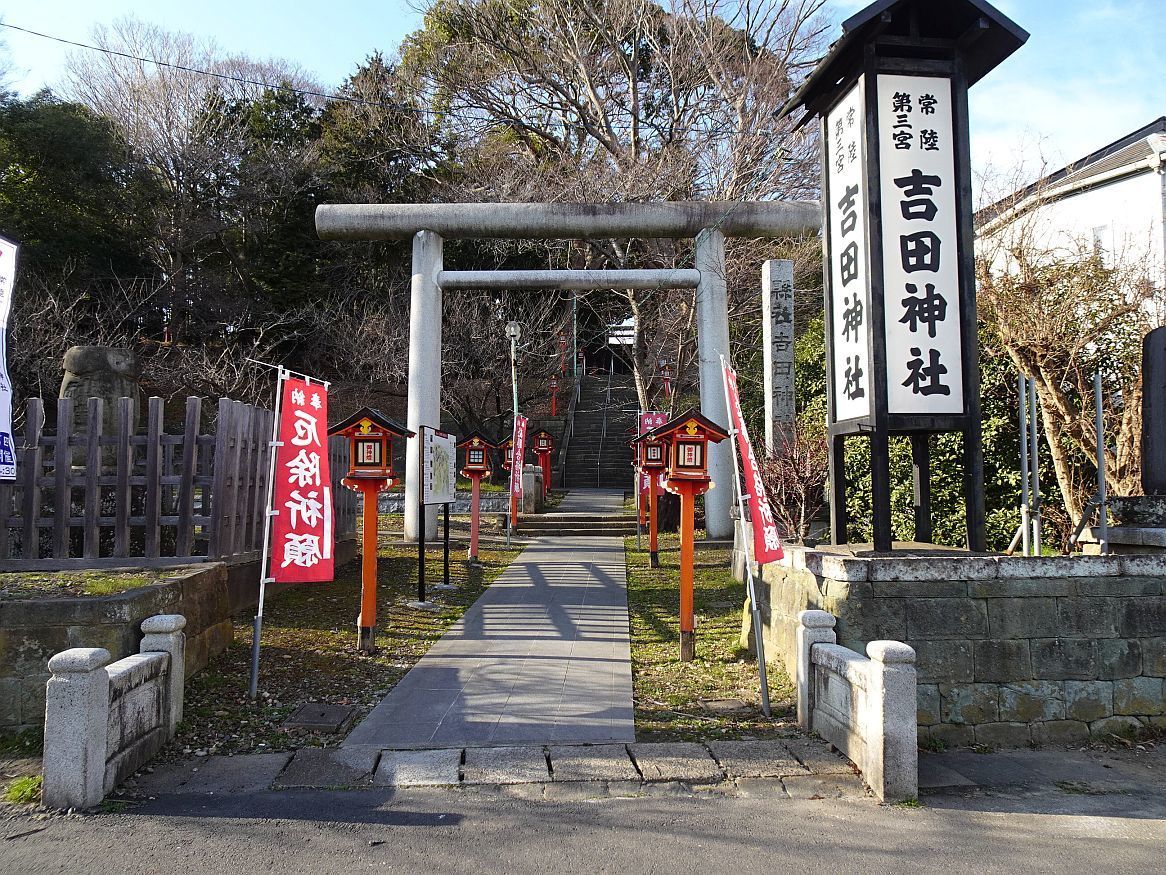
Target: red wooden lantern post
[686, 475]
[544, 445]
[477, 454]
[651, 456]
[554, 384]
[370, 470]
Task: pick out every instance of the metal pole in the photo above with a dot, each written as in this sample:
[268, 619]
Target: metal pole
[1025, 476]
[445, 546]
[264, 560]
[751, 587]
[421, 513]
[1032, 434]
[515, 462]
[1102, 516]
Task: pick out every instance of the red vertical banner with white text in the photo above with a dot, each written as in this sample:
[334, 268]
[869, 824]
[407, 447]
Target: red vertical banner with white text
[518, 456]
[766, 541]
[302, 531]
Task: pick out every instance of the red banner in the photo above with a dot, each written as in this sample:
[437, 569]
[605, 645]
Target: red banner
[302, 533]
[518, 456]
[766, 541]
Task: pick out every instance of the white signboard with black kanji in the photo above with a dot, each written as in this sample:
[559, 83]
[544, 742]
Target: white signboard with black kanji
[845, 133]
[921, 277]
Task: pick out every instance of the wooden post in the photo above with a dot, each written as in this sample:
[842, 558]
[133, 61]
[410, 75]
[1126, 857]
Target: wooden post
[687, 557]
[653, 527]
[367, 621]
[475, 514]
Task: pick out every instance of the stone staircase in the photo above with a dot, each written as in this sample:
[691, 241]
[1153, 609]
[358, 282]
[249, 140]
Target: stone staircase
[600, 457]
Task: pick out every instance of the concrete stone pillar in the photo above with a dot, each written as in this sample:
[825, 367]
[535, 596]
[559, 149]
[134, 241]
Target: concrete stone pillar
[424, 371]
[777, 339]
[893, 770]
[163, 634]
[76, 728]
[814, 627]
[712, 339]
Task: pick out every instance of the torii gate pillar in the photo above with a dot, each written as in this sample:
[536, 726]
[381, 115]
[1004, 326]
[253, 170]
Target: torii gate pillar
[424, 373]
[712, 338]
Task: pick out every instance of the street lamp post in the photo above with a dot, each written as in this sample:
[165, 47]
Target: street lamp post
[514, 332]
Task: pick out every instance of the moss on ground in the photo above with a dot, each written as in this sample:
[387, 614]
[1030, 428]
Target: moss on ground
[23, 791]
[71, 584]
[668, 693]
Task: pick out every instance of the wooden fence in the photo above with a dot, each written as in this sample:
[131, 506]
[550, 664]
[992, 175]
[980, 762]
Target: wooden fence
[87, 499]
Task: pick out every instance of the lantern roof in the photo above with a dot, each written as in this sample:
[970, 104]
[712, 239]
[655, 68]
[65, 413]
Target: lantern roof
[689, 422]
[476, 439]
[543, 431]
[974, 29]
[506, 443]
[353, 423]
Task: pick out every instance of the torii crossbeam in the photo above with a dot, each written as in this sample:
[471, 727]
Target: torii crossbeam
[709, 222]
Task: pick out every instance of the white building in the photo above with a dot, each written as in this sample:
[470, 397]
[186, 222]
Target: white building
[1112, 201]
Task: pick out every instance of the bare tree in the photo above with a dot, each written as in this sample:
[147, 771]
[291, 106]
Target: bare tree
[1063, 310]
[621, 101]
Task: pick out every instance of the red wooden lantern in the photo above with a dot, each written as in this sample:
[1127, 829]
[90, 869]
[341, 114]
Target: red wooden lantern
[370, 442]
[507, 448]
[543, 443]
[370, 470]
[686, 474]
[477, 455]
[554, 386]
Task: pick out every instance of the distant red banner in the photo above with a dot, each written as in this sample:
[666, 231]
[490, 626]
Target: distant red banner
[302, 533]
[766, 541]
[518, 456]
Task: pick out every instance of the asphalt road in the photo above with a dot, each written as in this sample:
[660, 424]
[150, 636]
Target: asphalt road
[467, 831]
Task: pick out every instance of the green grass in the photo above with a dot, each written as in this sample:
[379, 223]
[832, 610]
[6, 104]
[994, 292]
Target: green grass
[308, 652]
[23, 791]
[667, 691]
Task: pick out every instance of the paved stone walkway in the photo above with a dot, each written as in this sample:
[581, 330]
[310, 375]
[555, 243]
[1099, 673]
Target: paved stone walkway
[542, 657]
[591, 501]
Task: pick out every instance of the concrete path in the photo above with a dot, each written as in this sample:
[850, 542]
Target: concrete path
[542, 657]
[591, 501]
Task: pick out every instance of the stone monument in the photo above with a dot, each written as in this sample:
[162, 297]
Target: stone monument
[103, 372]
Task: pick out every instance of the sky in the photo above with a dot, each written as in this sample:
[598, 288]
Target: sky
[1089, 74]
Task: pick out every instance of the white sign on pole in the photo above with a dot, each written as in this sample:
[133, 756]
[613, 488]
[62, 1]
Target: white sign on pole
[921, 274]
[439, 478]
[846, 176]
[8, 251]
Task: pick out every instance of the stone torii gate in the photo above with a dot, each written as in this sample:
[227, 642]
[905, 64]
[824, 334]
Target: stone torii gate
[709, 222]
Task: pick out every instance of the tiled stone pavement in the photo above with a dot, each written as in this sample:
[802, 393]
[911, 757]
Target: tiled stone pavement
[773, 768]
[543, 657]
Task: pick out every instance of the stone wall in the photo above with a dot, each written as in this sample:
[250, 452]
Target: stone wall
[32, 630]
[1010, 650]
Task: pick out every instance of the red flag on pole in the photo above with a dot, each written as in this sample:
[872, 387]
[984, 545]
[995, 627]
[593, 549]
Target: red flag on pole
[517, 457]
[302, 533]
[766, 541]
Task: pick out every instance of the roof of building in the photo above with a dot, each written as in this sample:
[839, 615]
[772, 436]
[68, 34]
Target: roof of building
[982, 34]
[1135, 151]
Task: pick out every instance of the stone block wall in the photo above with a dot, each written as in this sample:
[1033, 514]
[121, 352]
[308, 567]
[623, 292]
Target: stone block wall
[32, 630]
[1010, 650]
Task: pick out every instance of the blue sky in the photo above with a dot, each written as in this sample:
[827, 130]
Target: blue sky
[1089, 74]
